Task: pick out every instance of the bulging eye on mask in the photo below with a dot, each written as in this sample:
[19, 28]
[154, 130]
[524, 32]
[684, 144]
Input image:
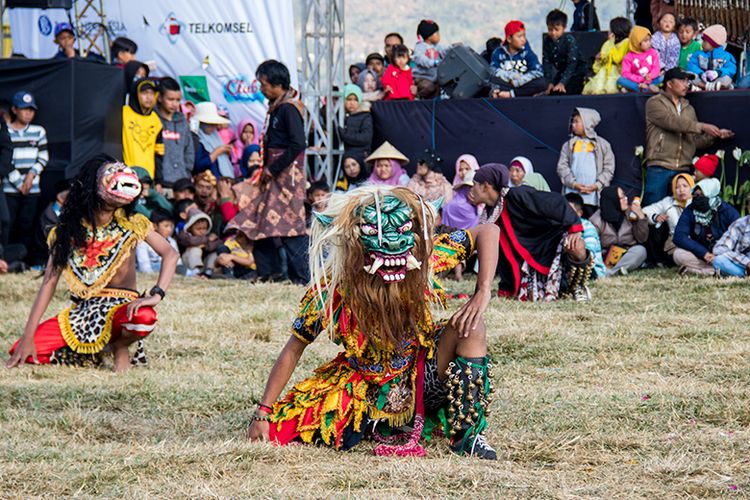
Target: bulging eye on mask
[118, 184]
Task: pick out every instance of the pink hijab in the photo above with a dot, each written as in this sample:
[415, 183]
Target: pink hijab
[238, 147]
[393, 180]
[473, 163]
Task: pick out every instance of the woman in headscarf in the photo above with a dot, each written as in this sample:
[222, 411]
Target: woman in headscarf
[668, 211]
[353, 174]
[702, 223]
[459, 213]
[211, 153]
[387, 163]
[623, 230]
[521, 172]
[247, 134]
[428, 182]
[372, 89]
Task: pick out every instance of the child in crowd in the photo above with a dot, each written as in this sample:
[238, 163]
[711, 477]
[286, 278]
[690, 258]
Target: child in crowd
[387, 162]
[183, 189]
[358, 128]
[459, 213]
[179, 153]
[375, 63]
[489, 48]
[590, 235]
[428, 181]
[563, 67]
[247, 134]
[146, 259]
[428, 54]
[608, 64]
[372, 88]
[584, 16]
[199, 245]
[521, 173]
[666, 42]
[150, 199]
[250, 161]
[181, 210]
[123, 51]
[316, 199]
[713, 66]
[669, 210]
[516, 65]
[235, 257]
[732, 251]
[29, 158]
[686, 31]
[705, 167]
[142, 140]
[353, 174]
[397, 79]
[587, 163]
[641, 66]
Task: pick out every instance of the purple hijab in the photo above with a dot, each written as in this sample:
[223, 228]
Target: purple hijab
[394, 179]
[458, 212]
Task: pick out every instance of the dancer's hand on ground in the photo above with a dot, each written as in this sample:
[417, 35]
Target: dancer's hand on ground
[26, 348]
[134, 306]
[467, 318]
[258, 431]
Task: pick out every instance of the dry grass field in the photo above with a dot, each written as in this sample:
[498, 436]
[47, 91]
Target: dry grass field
[644, 393]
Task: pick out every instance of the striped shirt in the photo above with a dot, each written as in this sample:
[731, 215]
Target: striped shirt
[29, 155]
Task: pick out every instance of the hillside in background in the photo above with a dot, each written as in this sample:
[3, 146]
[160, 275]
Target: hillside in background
[470, 21]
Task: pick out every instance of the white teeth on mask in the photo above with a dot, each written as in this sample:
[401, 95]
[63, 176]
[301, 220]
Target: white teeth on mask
[412, 263]
[403, 276]
[367, 269]
[402, 261]
[375, 265]
[387, 277]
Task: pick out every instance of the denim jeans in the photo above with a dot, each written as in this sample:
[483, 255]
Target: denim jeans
[728, 267]
[658, 184]
[633, 87]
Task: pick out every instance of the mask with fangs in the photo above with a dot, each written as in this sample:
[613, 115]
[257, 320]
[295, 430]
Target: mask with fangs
[118, 184]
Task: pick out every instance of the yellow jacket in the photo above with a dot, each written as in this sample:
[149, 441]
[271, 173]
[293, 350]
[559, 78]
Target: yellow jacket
[142, 144]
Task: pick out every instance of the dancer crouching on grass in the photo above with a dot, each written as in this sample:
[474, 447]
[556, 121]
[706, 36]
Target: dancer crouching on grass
[92, 247]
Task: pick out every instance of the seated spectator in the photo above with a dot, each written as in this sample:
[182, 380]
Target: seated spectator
[150, 199]
[516, 66]
[211, 153]
[670, 208]
[179, 151]
[641, 66]
[428, 182]
[183, 189]
[732, 251]
[358, 128]
[623, 229]
[387, 162]
[584, 16]
[586, 164]
[316, 199]
[250, 161]
[666, 43]
[39, 252]
[489, 48]
[398, 81]
[427, 56]
[354, 71]
[181, 210]
[142, 140]
[564, 68]
[713, 66]
[701, 225]
[376, 63]
[687, 28]
[705, 167]
[372, 88]
[590, 235]
[206, 197]
[353, 174]
[658, 9]
[458, 213]
[225, 132]
[235, 257]
[198, 244]
[522, 174]
[247, 135]
[608, 64]
[146, 259]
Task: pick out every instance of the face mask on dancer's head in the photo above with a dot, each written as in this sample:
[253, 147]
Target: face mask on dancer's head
[118, 184]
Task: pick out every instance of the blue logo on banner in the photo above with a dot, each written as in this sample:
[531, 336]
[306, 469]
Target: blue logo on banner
[242, 89]
[45, 25]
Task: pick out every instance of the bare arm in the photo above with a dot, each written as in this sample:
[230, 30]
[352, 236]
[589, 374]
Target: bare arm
[26, 346]
[280, 374]
[169, 258]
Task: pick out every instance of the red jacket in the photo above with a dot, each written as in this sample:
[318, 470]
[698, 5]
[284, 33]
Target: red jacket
[400, 81]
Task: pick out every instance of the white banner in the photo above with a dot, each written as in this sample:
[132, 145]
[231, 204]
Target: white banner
[221, 40]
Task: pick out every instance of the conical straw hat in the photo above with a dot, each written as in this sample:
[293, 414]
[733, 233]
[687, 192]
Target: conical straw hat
[386, 151]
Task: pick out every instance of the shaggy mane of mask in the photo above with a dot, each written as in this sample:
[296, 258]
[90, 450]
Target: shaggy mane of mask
[386, 312]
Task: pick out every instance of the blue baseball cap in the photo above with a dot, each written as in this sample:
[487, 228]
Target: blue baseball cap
[60, 27]
[24, 100]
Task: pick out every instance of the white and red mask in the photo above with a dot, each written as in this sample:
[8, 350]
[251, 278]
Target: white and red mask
[118, 184]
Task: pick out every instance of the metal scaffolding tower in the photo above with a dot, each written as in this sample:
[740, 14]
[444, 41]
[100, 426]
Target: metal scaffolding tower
[323, 70]
[92, 35]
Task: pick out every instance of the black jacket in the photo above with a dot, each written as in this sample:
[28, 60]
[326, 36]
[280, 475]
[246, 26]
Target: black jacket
[562, 62]
[357, 134]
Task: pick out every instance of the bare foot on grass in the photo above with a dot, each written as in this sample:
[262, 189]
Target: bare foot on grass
[122, 359]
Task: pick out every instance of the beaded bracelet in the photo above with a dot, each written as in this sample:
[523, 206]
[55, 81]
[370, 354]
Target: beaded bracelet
[261, 418]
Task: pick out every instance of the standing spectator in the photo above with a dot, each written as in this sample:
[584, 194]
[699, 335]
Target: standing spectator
[608, 64]
[65, 39]
[686, 31]
[732, 251]
[713, 66]
[428, 182]
[123, 51]
[275, 219]
[30, 157]
[398, 81]
[358, 129]
[376, 63]
[587, 163]
[701, 225]
[132, 72]
[515, 65]
[428, 54]
[584, 16]
[673, 133]
[390, 41]
[641, 66]
[666, 42]
[211, 153]
[564, 68]
[372, 88]
[179, 154]
[142, 141]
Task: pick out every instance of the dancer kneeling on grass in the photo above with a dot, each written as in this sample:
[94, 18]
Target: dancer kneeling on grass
[373, 261]
[92, 247]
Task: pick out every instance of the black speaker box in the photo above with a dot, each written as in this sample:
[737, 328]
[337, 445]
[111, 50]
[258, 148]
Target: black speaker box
[463, 73]
[40, 4]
